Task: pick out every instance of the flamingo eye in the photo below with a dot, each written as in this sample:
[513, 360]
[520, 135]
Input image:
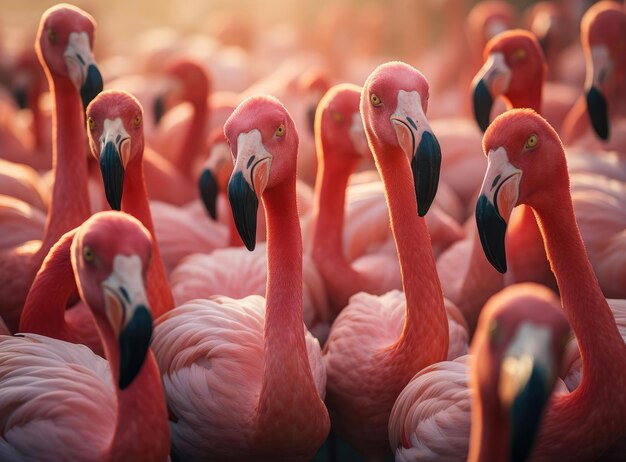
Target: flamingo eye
[532, 141]
[137, 121]
[280, 131]
[52, 36]
[91, 123]
[337, 116]
[88, 254]
[520, 54]
[375, 100]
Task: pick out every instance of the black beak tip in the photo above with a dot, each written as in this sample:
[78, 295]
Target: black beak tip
[492, 232]
[208, 192]
[483, 101]
[598, 113]
[426, 165]
[92, 87]
[159, 109]
[244, 204]
[310, 115]
[112, 175]
[134, 342]
[21, 97]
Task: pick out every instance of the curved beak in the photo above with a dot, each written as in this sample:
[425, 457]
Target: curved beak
[158, 108]
[357, 135]
[214, 177]
[420, 145]
[597, 108]
[82, 67]
[527, 377]
[114, 155]
[492, 80]
[247, 183]
[127, 309]
[498, 196]
[207, 184]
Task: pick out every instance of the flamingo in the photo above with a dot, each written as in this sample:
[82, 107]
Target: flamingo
[272, 407]
[484, 394]
[63, 45]
[62, 402]
[604, 104]
[382, 341]
[523, 150]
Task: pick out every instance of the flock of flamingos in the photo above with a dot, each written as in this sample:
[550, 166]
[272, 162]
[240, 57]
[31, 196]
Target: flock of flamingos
[424, 270]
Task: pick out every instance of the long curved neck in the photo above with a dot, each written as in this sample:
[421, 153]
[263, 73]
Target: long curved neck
[425, 331]
[194, 138]
[38, 128]
[44, 310]
[69, 206]
[570, 427]
[489, 434]
[530, 98]
[286, 359]
[141, 430]
[135, 203]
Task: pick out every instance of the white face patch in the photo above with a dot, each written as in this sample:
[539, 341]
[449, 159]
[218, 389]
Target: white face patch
[357, 135]
[599, 67]
[125, 283]
[409, 121]
[495, 73]
[500, 170]
[250, 152]
[115, 132]
[531, 347]
[78, 57]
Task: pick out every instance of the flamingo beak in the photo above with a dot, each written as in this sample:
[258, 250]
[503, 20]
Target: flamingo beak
[597, 107]
[158, 109]
[498, 196]
[214, 177]
[247, 183]
[114, 155]
[420, 145]
[527, 377]
[82, 67]
[207, 184]
[357, 135]
[127, 309]
[492, 80]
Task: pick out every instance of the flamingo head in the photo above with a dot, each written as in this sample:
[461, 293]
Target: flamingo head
[394, 101]
[187, 80]
[64, 45]
[523, 168]
[514, 66]
[264, 144]
[110, 255]
[313, 84]
[215, 172]
[115, 131]
[338, 124]
[545, 20]
[602, 33]
[487, 19]
[516, 355]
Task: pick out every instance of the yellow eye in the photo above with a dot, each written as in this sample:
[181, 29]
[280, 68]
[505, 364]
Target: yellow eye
[337, 116]
[280, 131]
[520, 53]
[88, 254]
[91, 123]
[532, 141]
[375, 100]
[52, 36]
[137, 121]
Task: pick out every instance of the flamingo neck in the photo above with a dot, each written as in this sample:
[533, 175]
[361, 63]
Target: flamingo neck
[588, 312]
[530, 97]
[286, 359]
[489, 435]
[44, 310]
[69, 206]
[425, 332]
[195, 137]
[135, 203]
[38, 127]
[141, 429]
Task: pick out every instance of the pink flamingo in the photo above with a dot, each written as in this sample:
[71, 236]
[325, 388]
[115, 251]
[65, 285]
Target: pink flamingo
[523, 150]
[61, 400]
[272, 407]
[516, 353]
[63, 44]
[114, 121]
[387, 339]
[603, 106]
